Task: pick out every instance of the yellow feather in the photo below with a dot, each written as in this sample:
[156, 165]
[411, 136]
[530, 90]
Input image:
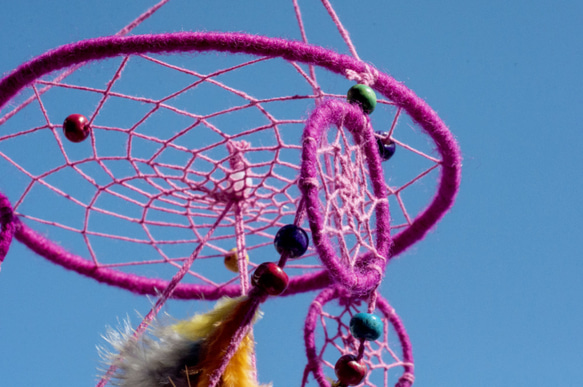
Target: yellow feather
[217, 343]
[239, 372]
[215, 330]
[202, 325]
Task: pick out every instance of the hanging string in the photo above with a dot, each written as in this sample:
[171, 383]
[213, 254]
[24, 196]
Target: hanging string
[341, 29]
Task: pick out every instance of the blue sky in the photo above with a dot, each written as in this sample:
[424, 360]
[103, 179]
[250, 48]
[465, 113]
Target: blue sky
[491, 297]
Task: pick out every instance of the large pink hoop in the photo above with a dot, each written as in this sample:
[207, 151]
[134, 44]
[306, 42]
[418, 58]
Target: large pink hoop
[107, 47]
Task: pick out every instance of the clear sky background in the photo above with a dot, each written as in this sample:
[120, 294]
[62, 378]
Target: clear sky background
[492, 296]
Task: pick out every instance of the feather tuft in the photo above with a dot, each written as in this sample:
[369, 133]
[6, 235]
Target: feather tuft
[218, 329]
[186, 353]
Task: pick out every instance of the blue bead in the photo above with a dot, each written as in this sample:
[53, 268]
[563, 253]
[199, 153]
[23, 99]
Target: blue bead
[366, 326]
[292, 240]
[386, 151]
[364, 96]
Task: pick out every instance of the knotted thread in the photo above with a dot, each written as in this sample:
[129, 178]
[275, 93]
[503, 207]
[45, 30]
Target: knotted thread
[367, 77]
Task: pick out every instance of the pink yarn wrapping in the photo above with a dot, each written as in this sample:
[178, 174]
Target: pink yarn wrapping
[368, 272]
[237, 43]
[8, 225]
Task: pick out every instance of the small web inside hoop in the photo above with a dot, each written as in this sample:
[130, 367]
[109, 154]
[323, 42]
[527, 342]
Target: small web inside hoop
[349, 204]
[327, 336]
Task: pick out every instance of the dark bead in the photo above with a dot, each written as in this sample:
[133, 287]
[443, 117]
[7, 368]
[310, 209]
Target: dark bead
[366, 326]
[386, 147]
[76, 127]
[292, 240]
[350, 371]
[271, 278]
[364, 96]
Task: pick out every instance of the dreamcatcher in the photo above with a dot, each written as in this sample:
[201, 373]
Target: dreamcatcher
[290, 189]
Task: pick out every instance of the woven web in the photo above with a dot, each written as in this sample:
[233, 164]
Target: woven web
[348, 203]
[159, 168]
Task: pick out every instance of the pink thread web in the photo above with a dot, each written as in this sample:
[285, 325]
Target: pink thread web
[327, 335]
[142, 187]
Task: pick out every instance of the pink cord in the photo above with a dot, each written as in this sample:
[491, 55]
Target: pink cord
[341, 29]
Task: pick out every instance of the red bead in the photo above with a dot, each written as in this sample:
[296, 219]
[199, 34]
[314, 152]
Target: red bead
[350, 371]
[76, 127]
[271, 278]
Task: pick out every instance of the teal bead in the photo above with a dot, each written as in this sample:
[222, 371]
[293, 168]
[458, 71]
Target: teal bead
[366, 326]
[364, 96]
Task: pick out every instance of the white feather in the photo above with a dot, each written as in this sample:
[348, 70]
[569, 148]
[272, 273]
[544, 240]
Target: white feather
[152, 361]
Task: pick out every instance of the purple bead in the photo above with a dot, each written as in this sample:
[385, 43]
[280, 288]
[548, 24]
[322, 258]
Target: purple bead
[386, 150]
[291, 240]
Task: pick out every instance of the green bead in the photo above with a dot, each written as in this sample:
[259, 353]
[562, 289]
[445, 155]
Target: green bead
[364, 96]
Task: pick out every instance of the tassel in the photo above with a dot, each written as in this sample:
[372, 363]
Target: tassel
[189, 353]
